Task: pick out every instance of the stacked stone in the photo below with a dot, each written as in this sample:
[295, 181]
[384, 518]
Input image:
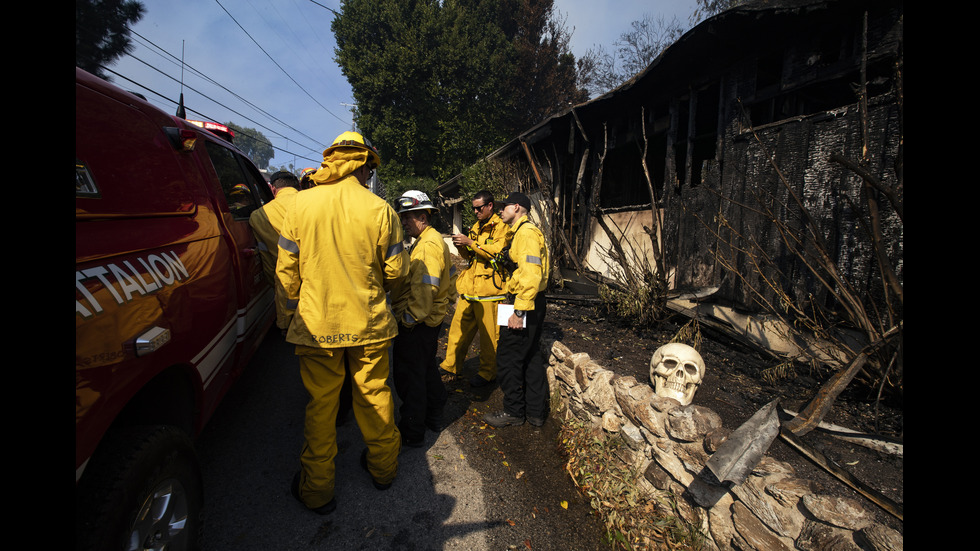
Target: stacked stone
[670, 444]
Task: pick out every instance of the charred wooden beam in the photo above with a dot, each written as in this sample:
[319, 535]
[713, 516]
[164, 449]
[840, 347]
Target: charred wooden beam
[817, 409]
[550, 206]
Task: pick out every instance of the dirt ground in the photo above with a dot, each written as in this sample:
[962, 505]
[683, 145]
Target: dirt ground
[734, 387]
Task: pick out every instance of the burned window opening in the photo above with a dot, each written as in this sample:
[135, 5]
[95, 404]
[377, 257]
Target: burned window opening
[623, 182]
[657, 128]
[657, 163]
[705, 143]
[680, 141]
[769, 72]
[821, 96]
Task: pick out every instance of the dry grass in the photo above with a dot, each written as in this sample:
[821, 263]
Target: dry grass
[634, 519]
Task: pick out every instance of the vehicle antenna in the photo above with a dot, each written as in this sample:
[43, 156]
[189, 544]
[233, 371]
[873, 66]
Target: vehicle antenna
[180, 104]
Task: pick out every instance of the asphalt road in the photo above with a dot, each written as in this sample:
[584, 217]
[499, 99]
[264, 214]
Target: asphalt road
[469, 488]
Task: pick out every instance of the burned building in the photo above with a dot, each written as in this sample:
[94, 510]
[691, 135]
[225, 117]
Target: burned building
[733, 156]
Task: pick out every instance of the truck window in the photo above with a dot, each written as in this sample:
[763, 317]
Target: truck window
[235, 182]
[84, 185]
[259, 185]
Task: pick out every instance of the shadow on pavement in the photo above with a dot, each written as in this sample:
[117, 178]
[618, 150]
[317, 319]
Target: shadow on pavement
[250, 451]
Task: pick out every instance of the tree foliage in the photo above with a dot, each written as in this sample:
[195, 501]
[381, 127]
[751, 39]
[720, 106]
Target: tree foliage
[493, 175]
[385, 48]
[253, 144]
[600, 71]
[438, 84]
[545, 79]
[706, 8]
[288, 167]
[102, 32]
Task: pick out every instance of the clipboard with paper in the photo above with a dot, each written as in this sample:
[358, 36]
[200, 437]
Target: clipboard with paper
[504, 312]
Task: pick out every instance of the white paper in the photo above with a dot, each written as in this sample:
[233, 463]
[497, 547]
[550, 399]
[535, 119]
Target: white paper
[504, 312]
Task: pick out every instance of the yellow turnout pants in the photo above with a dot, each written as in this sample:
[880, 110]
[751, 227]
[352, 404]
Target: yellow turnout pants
[473, 316]
[322, 371]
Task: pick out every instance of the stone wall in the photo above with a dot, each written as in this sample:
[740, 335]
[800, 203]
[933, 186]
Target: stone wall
[670, 444]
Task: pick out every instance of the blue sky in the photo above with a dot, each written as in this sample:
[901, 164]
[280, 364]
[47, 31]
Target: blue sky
[269, 63]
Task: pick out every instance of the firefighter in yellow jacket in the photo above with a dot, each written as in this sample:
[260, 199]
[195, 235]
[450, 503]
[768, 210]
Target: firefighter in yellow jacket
[341, 250]
[480, 289]
[420, 305]
[520, 364]
[266, 223]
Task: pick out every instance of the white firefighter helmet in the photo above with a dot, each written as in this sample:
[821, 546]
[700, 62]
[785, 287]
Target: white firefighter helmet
[414, 200]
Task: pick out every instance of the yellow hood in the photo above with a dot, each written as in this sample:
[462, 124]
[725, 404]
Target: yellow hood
[341, 162]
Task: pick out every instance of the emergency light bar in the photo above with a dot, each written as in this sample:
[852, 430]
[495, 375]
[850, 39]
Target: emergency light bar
[217, 128]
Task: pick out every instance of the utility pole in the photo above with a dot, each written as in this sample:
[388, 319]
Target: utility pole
[352, 106]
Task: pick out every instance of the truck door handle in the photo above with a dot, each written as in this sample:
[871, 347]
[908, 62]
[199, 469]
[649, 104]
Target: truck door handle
[152, 340]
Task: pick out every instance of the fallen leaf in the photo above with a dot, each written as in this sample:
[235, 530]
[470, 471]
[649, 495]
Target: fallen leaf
[520, 474]
[564, 504]
[505, 464]
[510, 522]
[527, 543]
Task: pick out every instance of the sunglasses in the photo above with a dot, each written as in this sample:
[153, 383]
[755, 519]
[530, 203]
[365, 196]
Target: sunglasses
[480, 207]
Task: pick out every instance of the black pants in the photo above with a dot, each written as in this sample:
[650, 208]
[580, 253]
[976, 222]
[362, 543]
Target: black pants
[417, 379]
[520, 365]
[346, 396]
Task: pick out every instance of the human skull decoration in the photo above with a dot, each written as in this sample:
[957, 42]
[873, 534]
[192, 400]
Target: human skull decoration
[676, 371]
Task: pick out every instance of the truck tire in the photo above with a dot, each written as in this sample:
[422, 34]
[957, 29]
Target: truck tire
[141, 490]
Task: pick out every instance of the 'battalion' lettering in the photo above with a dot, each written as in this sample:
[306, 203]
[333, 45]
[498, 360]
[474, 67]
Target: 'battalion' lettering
[124, 282]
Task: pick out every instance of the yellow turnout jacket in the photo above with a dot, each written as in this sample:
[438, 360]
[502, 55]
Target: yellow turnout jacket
[266, 223]
[529, 250]
[478, 281]
[424, 296]
[340, 251]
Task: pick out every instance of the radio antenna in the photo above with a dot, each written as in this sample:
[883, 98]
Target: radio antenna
[180, 105]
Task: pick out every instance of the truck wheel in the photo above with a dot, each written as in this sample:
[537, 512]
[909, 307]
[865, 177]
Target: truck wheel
[141, 490]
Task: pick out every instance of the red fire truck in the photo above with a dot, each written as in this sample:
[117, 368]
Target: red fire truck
[170, 304]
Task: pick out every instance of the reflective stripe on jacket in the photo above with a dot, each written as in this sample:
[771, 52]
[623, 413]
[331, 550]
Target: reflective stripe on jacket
[340, 251]
[479, 279]
[529, 250]
[424, 296]
[266, 223]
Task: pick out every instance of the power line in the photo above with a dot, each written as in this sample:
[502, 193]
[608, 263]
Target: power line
[202, 94]
[314, 65]
[216, 83]
[333, 11]
[277, 64]
[203, 115]
[176, 61]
